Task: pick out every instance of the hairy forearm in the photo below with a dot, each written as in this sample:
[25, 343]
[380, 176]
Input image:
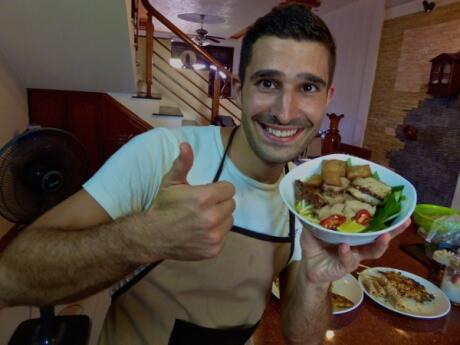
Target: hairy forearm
[45, 266]
[306, 312]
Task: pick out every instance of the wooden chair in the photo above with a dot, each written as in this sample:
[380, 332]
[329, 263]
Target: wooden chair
[355, 151]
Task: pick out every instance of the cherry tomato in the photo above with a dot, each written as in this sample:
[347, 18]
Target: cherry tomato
[334, 221]
[362, 217]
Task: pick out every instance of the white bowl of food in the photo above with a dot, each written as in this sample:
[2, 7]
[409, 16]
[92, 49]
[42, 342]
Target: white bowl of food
[346, 199]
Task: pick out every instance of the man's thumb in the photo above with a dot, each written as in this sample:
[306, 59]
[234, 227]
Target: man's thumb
[181, 166]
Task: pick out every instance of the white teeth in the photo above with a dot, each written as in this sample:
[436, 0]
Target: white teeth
[281, 133]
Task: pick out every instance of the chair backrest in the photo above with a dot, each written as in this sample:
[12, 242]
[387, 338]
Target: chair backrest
[355, 151]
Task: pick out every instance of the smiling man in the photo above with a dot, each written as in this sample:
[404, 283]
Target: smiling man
[284, 96]
[188, 223]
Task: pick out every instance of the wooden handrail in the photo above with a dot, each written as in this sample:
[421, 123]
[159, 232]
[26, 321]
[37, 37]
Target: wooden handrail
[165, 21]
[158, 41]
[188, 91]
[148, 54]
[151, 11]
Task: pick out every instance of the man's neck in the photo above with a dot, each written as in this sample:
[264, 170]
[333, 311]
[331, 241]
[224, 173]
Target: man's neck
[247, 161]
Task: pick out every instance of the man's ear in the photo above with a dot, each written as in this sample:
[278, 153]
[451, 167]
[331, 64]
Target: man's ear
[330, 94]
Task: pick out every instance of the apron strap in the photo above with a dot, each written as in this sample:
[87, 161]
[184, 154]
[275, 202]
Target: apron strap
[221, 164]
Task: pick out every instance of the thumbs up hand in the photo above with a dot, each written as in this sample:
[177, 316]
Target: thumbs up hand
[187, 222]
[180, 168]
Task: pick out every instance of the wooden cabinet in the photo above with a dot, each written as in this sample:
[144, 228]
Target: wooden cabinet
[47, 108]
[445, 75]
[83, 120]
[119, 125]
[98, 121]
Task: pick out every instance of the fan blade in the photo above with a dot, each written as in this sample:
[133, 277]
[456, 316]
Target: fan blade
[216, 37]
[212, 38]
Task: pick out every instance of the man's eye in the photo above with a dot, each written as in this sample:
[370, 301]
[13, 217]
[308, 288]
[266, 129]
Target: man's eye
[310, 88]
[267, 84]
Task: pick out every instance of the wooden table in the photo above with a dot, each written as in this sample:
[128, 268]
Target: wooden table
[371, 324]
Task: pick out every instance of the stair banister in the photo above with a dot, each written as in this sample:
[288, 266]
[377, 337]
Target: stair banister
[149, 54]
[151, 11]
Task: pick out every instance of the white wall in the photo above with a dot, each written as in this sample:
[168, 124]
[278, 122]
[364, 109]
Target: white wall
[13, 112]
[69, 45]
[356, 29]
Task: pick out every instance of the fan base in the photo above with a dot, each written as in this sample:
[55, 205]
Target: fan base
[70, 330]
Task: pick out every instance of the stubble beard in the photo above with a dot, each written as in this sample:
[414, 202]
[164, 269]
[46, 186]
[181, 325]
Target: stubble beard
[267, 153]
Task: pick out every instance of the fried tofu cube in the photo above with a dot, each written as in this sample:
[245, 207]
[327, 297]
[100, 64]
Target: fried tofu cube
[332, 170]
[332, 178]
[358, 171]
[314, 181]
[334, 165]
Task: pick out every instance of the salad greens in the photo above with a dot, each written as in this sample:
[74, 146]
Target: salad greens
[388, 210]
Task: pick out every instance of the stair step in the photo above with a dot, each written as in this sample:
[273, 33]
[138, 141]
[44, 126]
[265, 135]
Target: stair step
[190, 123]
[154, 96]
[169, 111]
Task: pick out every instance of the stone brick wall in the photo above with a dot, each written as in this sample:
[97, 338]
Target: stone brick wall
[431, 161]
[399, 85]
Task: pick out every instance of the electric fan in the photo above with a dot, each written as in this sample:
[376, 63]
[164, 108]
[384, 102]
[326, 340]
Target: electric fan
[38, 169]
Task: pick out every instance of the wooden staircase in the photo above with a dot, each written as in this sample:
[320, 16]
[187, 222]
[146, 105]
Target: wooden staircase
[185, 89]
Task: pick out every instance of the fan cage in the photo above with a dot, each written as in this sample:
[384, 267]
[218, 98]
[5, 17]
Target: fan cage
[24, 164]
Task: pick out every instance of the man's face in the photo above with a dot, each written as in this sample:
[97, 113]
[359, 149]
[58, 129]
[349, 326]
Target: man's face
[284, 97]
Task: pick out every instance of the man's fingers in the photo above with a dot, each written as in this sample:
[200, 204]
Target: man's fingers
[401, 228]
[218, 214]
[375, 249]
[350, 257]
[346, 257]
[216, 192]
[181, 166]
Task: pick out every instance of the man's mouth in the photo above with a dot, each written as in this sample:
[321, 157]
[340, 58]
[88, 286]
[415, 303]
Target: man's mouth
[281, 133]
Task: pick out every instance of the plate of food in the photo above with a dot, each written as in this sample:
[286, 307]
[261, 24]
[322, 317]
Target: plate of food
[346, 199]
[346, 294]
[404, 293]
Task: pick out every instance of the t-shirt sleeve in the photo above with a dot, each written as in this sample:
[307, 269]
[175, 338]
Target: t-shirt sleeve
[129, 180]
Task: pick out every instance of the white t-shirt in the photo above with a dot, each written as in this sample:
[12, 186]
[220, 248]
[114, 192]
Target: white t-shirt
[130, 179]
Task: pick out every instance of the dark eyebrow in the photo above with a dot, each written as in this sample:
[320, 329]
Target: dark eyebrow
[271, 73]
[313, 78]
[264, 73]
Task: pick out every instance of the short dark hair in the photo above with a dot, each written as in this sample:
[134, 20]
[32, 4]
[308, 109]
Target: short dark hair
[293, 21]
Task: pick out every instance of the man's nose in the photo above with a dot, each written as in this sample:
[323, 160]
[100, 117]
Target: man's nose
[287, 106]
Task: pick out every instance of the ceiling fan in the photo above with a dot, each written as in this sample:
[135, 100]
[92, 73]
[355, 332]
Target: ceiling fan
[202, 37]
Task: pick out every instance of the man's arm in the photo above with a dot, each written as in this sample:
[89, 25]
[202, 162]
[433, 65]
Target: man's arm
[305, 303]
[305, 308]
[70, 252]
[75, 249]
